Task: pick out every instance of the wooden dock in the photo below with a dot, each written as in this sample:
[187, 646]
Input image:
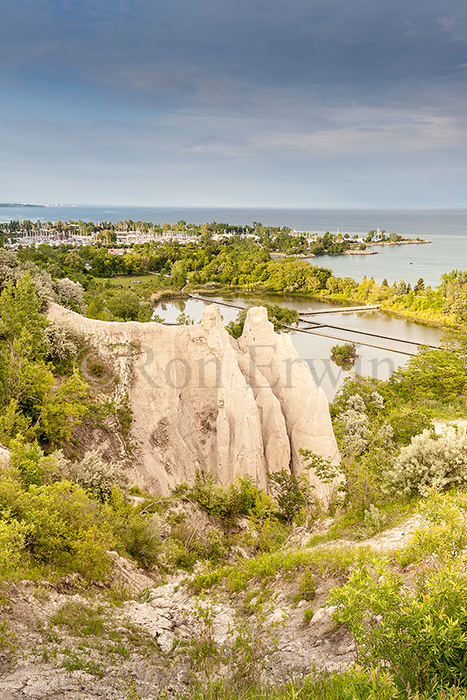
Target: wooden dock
[340, 310]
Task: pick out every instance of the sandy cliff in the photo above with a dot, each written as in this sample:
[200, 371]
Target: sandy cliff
[202, 400]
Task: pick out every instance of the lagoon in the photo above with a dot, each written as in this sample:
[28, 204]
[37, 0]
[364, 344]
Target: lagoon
[316, 350]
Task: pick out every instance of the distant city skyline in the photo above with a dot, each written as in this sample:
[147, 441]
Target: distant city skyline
[297, 104]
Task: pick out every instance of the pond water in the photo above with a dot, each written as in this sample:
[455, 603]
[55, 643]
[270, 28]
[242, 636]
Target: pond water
[315, 350]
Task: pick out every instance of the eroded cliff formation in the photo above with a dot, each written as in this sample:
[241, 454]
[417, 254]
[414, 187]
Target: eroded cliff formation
[202, 400]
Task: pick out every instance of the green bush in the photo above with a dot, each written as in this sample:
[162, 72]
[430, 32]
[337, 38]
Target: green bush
[431, 374]
[356, 684]
[353, 427]
[13, 536]
[374, 520]
[124, 305]
[97, 476]
[417, 633]
[62, 341]
[346, 351]
[33, 467]
[292, 492]
[407, 422]
[443, 535]
[371, 391]
[228, 503]
[429, 461]
[188, 545]
[69, 530]
[270, 534]
[306, 587]
[140, 536]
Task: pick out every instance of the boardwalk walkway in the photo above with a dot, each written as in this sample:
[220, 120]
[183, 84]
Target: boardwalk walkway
[340, 310]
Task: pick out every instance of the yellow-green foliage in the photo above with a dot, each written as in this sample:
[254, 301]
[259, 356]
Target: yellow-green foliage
[12, 544]
[241, 498]
[70, 530]
[417, 630]
[265, 566]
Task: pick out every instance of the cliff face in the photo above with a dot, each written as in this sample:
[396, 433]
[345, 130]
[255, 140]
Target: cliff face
[202, 400]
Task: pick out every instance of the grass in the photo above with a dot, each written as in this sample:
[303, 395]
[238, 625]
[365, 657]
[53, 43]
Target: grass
[351, 525]
[8, 639]
[325, 559]
[80, 619]
[101, 639]
[75, 662]
[356, 684]
[131, 281]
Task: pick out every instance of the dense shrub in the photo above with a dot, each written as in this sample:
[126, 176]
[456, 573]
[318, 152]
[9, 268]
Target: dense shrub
[70, 294]
[292, 492]
[430, 461]
[97, 476]
[140, 536]
[352, 427]
[62, 342]
[343, 352]
[125, 305]
[33, 466]
[416, 633]
[230, 502]
[63, 410]
[407, 422]
[416, 630]
[371, 391]
[13, 536]
[69, 530]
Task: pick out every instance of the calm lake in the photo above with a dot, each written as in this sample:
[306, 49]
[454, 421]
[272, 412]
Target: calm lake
[316, 350]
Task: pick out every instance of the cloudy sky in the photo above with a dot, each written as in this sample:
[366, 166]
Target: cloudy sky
[300, 103]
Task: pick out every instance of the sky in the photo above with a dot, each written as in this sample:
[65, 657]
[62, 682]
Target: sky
[271, 103]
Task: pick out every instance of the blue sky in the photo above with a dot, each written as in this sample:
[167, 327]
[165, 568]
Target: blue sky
[305, 103]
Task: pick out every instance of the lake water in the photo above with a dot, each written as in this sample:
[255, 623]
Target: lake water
[316, 350]
[445, 228]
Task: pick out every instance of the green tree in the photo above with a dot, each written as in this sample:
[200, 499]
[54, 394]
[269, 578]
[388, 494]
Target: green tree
[124, 304]
[420, 286]
[431, 374]
[22, 324]
[292, 492]
[108, 237]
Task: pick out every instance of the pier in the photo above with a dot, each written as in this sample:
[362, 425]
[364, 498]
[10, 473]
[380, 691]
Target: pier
[341, 310]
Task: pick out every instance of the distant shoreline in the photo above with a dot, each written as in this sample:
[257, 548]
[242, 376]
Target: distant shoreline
[4, 205]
